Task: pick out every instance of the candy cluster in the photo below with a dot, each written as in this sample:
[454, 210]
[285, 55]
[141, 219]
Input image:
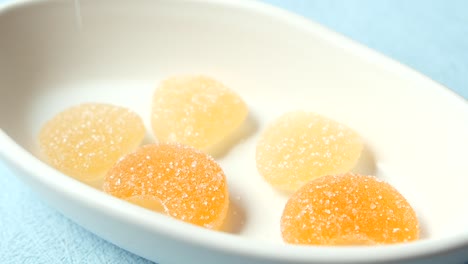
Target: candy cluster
[300, 152]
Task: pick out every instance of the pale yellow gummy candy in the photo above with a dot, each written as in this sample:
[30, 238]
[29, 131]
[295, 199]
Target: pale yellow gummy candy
[196, 111]
[300, 146]
[84, 141]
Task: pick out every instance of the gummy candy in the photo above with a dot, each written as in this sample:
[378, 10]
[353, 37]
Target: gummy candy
[84, 141]
[196, 111]
[188, 184]
[348, 209]
[300, 146]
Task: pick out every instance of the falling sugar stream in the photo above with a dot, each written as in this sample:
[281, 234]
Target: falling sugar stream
[78, 18]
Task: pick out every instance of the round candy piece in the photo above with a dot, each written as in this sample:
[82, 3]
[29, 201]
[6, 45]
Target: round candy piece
[178, 180]
[348, 210]
[84, 141]
[300, 146]
[196, 111]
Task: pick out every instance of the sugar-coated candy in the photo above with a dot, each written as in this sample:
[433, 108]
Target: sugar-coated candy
[85, 140]
[348, 209]
[196, 111]
[178, 180]
[300, 146]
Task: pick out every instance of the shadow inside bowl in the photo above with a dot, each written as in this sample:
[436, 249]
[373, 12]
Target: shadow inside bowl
[423, 228]
[149, 138]
[366, 164]
[246, 129]
[236, 217]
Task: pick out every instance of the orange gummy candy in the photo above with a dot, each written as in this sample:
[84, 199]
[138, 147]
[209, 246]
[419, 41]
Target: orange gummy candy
[196, 111]
[348, 210]
[179, 180]
[84, 141]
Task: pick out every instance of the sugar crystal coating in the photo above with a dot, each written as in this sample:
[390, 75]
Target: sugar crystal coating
[189, 185]
[196, 111]
[300, 146]
[84, 141]
[348, 210]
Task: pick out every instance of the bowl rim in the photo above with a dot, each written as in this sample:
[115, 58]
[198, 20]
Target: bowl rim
[28, 164]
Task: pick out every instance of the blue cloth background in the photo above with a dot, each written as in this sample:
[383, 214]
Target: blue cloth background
[429, 36]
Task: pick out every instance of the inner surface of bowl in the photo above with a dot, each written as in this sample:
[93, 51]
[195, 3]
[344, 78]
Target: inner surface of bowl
[118, 52]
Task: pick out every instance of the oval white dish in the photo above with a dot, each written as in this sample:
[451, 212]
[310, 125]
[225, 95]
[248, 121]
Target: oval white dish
[117, 52]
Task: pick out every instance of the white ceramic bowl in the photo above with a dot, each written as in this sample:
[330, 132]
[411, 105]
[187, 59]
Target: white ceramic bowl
[117, 51]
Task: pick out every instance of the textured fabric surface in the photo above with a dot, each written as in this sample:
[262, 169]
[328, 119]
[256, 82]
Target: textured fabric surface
[429, 36]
